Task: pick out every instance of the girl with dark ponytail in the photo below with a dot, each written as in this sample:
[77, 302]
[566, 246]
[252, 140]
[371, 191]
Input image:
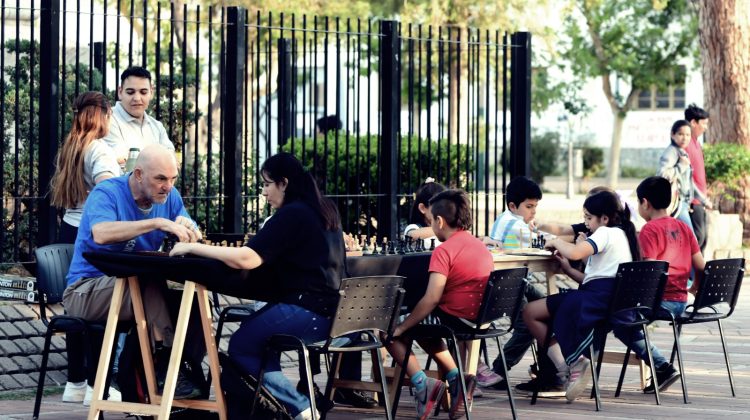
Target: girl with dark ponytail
[302, 245]
[573, 315]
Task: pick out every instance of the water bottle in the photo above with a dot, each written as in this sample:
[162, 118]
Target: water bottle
[132, 156]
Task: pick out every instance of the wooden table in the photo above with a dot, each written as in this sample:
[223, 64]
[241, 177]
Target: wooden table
[126, 267]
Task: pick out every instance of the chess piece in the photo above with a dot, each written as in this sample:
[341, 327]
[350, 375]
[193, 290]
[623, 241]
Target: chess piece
[401, 247]
[409, 242]
[391, 247]
[365, 247]
[384, 248]
[432, 244]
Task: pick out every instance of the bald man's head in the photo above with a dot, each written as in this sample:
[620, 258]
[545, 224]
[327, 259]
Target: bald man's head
[155, 173]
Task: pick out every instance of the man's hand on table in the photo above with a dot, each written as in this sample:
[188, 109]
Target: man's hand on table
[183, 228]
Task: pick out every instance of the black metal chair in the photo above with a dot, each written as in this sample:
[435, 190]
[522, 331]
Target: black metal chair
[53, 262]
[366, 304]
[501, 301]
[716, 299]
[635, 303]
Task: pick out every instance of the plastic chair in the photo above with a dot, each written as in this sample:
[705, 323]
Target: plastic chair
[53, 262]
[502, 300]
[366, 305]
[635, 303]
[716, 299]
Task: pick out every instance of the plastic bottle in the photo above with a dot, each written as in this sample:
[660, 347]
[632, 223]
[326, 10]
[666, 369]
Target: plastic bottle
[132, 156]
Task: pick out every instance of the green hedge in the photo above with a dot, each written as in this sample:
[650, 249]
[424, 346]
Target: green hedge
[726, 163]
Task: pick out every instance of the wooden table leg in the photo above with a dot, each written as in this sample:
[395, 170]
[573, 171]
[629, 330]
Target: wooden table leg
[212, 351]
[144, 338]
[170, 382]
[106, 353]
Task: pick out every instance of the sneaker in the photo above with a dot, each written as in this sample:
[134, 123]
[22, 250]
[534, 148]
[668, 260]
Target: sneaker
[487, 377]
[353, 397]
[665, 376]
[431, 395]
[577, 379]
[74, 392]
[478, 393]
[457, 399]
[322, 404]
[114, 395]
[306, 414]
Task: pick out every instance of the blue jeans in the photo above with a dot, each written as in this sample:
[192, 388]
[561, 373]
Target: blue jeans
[247, 345]
[633, 336]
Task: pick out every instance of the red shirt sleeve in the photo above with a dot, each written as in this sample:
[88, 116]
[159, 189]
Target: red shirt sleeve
[649, 240]
[440, 262]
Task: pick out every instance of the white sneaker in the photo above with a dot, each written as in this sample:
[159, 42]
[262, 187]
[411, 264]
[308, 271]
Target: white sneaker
[114, 395]
[74, 392]
[306, 414]
[578, 379]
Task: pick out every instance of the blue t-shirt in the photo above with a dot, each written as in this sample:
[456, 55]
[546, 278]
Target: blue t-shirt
[112, 201]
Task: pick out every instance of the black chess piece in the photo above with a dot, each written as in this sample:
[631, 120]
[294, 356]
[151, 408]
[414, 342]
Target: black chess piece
[384, 247]
[392, 247]
[432, 244]
[401, 249]
[366, 248]
[409, 244]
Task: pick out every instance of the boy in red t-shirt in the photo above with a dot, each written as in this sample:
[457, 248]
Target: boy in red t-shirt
[459, 269]
[667, 239]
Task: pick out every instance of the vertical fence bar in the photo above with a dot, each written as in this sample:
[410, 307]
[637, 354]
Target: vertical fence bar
[78, 47]
[144, 53]
[285, 89]
[520, 104]
[196, 109]
[390, 45]
[49, 63]
[487, 109]
[209, 119]
[32, 140]
[130, 38]
[505, 114]
[103, 45]
[91, 45]
[157, 66]
[2, 118]
[235, 69]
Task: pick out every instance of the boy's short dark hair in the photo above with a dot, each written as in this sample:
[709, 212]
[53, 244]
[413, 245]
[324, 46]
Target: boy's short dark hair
[657, 190]
[694, 112]
[453, 206]
[520, 189]
[135, 71]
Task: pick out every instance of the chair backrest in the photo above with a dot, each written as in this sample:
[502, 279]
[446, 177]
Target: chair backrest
[639, 289]
[367, 303]
[53, 262]
[503, 295]
[720, 284]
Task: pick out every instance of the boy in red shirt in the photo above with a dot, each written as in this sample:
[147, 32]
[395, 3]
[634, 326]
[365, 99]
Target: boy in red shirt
[459, 269]
[668, 239]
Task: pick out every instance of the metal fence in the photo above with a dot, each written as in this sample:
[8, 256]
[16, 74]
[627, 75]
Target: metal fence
[371, 107]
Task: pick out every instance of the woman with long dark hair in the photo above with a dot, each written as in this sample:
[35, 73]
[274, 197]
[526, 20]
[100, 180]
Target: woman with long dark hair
[303, 245]
[83, 161]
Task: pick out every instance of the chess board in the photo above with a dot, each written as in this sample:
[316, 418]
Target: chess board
[528, 251]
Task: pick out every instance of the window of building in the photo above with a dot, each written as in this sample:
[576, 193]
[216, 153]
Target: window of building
[672, 97]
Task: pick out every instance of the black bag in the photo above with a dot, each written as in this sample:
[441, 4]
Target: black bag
[239, 390]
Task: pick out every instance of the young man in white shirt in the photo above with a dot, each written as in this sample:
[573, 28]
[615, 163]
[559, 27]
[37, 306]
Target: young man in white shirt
[130, 125]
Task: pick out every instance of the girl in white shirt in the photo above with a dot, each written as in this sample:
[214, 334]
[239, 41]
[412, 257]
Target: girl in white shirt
[613, 241]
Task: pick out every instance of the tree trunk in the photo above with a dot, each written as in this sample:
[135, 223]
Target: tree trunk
[725, 58]
[614, 150]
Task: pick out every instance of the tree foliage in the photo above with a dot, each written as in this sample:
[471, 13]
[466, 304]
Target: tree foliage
[640, 43]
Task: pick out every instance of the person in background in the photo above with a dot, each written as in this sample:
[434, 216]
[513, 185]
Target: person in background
[308, 270]
[82, 162]
[459, 270]
[419, 227]
[326, 124]
[674, 165]
[130, 125]
[698, 119]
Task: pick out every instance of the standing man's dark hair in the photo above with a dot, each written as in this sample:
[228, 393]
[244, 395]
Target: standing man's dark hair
[698, 119]
[135, 71]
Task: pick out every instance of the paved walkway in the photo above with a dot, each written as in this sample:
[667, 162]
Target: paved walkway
[707, 385]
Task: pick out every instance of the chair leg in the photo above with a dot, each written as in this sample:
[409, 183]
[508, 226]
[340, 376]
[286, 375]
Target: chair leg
[483, 348]
[259, 385]
[401, 376]
[595, 378]
[510, 391]
[304, 359]
[219, 329]
[599, 358]
[459, 364]
[42, 373]
[654, 379]
[677, 349]
[625, 361]
[376, 358]
[726, 357]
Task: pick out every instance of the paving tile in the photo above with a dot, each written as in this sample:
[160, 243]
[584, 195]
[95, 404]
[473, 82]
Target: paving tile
[39, 326]
[56, 377]
[25, 380]
[26, 312]
[8, 330]
[25, 346]
[7, 383]
[57, 361]
[8, 348]
[27, 330]
[38, 342]
[24, 363]
[7, 365]
[58, 343]
[9, 313]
